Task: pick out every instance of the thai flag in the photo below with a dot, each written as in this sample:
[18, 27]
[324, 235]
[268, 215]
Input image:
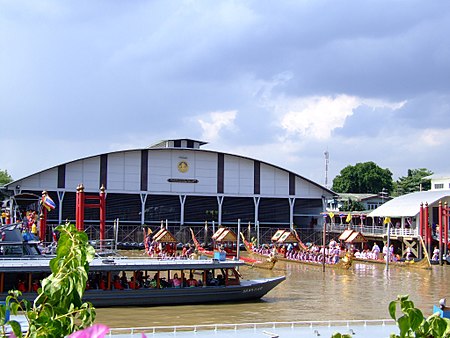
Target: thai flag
[48, 203]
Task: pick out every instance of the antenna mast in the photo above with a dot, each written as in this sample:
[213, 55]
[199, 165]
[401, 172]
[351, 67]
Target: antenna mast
[327, 161]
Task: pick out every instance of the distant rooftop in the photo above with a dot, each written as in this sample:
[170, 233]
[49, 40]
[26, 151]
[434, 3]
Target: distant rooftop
[184, 143]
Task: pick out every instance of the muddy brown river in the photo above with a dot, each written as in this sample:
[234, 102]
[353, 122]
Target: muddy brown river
[363, 292]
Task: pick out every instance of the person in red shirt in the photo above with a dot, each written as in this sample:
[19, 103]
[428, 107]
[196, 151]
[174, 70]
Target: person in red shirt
[21, 286]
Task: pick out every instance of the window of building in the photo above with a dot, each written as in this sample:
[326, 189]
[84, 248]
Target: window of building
[439, 186]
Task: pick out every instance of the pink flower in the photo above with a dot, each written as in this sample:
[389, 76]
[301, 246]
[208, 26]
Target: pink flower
[95, 331]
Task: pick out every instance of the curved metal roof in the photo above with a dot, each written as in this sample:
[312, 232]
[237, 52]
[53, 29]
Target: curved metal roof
[153, 148]
[409, 205]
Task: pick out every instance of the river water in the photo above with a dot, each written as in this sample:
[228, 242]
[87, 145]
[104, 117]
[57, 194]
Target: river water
[308, 293]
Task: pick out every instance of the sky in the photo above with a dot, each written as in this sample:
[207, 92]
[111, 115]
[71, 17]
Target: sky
[279, 81]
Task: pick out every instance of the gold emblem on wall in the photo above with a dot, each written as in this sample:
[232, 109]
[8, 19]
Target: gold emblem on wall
[183, 166]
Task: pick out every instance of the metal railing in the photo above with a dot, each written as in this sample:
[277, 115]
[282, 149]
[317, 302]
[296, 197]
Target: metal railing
[374, 230]
[138, 331]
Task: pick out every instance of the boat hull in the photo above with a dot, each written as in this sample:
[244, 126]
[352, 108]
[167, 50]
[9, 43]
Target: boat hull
[247, 291]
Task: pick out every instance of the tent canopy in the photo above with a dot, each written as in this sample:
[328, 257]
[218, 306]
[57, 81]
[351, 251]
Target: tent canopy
[409, 205]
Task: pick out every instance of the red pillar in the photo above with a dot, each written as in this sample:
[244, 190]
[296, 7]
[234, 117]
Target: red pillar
[446, 214]
[428, 228]
[42, 224]
[43, 219]
[80, 208]
[441, 231]
[102, 204]
[421, 234]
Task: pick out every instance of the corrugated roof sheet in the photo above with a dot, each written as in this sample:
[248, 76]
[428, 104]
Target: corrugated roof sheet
[409, 205]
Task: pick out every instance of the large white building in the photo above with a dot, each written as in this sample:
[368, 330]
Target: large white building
[177, 182]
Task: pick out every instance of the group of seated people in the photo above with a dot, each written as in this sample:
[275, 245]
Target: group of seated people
[313, 254]
[22, 287]
[138, 280]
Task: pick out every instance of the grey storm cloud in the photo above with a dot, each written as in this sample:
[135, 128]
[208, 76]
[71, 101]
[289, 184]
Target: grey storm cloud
[280, 82]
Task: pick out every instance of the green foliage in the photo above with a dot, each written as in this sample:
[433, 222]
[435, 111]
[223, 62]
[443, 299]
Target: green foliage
[414, 181]
[58, 309]
[412, 323]
[5, 178]
[364, 177]
[352, 206]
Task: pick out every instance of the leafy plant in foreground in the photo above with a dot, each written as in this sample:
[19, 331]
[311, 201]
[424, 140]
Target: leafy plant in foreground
[413, 324]
[58, 309]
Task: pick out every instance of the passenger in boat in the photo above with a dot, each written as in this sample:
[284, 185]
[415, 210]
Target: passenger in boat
[220, 280]
[154, 282]
[102, 283]
[376, 251]
[35, 286]
[408, 254]
[332, 243]
[435, 256]
[117, 283]
[176, 282]
[132, 284]
[210, 280]
[192, 282]
[124, 280]
[184, 251]
[21, 286]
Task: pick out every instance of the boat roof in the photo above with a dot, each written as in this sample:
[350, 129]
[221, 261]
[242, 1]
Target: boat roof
[356, 237]
[345, 235]
[164, 236]
[287, 237]
[277, 235]
[224, 235]
[121, 264]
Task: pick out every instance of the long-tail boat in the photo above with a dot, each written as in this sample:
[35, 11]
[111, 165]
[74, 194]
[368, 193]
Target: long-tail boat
[149, 281]
[219, 252]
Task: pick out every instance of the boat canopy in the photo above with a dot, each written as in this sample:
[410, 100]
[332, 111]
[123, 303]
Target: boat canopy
[345, 235]
[164, 236]
[224, 235]
[277, 235]
[351, 236]
[287, 237]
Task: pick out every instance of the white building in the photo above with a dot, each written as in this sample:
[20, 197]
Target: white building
[177, 182]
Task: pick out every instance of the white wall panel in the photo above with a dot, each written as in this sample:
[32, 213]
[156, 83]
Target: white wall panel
[246, 176]
[91, 173]
[74, 174]
[124, 171]
[267, 180]
[281, 182]
[159, 171]
[238, 176]
[304, 188]
[45, 180]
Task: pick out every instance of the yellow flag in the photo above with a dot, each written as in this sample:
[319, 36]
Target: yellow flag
[387, 220]
[331, 215]
[349, 218]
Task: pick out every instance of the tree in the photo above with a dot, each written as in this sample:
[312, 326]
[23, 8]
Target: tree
[365, 177]
[414, 181]
[5, 178]
[350, 205]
